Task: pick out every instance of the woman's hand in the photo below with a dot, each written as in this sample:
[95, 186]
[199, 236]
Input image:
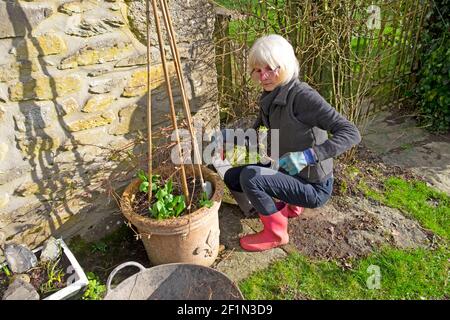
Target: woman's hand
[294, 162]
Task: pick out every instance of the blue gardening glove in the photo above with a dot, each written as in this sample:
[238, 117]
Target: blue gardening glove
[294, 162]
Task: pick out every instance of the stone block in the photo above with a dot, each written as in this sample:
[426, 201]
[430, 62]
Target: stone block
[14, 70]
[29, 188]
[137, 85]
[93, 137]
[20, 290]
[67, 105]
[44, 88]
[75, 7]
[131, 118]
[87, 28]
[37, 144]
[16, 18]
[37, 115]
[98, 103]
[88, 121]
[43, 45]
[104, 86]
[98, 72]
[132, 61]
[96, 54]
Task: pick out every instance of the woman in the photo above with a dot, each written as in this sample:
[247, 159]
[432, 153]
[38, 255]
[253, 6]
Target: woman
[304, 119]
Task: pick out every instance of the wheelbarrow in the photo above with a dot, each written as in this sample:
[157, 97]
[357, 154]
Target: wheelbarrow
[173, 281]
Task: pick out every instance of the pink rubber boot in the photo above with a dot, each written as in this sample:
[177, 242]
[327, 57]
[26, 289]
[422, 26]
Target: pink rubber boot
[274, 234]
[291, 210]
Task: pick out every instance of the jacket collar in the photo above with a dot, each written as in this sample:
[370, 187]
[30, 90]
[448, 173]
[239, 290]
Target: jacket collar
[278, 96]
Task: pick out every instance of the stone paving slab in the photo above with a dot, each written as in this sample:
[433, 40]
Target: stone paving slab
[385, 132]
[399, 141]
[233, 261]
[431, 161]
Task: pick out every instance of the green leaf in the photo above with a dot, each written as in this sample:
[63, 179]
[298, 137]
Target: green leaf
[169, 186]
[161, 194]
[141, 174]
[154, 211]
[180, 207]
[176, 200]
[143, 187]
[6, 271]
[159, 205]
[204, 201]
[163, 212]
[169, 199]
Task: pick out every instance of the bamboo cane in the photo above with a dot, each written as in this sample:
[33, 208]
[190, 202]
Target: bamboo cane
[149, 107]
[172, 106]
[179, 71]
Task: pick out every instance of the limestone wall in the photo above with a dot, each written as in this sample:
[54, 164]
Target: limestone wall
[72, 91]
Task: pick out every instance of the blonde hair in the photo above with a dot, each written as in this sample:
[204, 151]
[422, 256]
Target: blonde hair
[275, 51]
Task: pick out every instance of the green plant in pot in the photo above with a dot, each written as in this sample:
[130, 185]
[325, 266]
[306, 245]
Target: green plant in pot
[174, 207]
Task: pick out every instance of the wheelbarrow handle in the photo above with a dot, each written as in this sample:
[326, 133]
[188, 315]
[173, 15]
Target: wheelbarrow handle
[118, 268]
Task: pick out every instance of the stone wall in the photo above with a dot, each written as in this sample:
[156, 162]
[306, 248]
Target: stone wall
[72, 93]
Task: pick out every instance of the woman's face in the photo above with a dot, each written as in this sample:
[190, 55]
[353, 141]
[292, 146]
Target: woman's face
[268, 78]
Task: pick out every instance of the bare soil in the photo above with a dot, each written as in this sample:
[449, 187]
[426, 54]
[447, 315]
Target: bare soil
[121, 246]
[350, 225]
[370, 168]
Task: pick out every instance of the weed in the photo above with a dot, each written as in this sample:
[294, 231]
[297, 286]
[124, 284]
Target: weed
[406, 146]
[79, 246]
[204, 201]
[6, 271]
[143, 187]
[99, 247]
[54, 277]
[95, 289]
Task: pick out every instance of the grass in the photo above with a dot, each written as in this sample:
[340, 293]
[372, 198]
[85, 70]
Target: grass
[414, 274]
[236, 5]
[427, 205]
[404, 274]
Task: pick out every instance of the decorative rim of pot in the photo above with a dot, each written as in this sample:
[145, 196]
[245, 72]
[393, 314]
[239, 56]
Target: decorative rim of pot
[170, 226]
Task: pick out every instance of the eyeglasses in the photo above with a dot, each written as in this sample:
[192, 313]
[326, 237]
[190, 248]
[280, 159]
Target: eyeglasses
[258, 73]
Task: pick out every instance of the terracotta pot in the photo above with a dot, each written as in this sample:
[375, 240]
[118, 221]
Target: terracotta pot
[192, 238]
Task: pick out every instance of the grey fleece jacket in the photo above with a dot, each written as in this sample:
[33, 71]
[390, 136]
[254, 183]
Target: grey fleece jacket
[304, 120]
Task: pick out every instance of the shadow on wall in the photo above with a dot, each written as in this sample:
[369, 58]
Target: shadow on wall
[70, 193]
[39, 144]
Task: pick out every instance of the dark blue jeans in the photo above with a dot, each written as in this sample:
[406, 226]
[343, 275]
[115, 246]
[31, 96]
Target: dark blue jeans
[260, 184]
